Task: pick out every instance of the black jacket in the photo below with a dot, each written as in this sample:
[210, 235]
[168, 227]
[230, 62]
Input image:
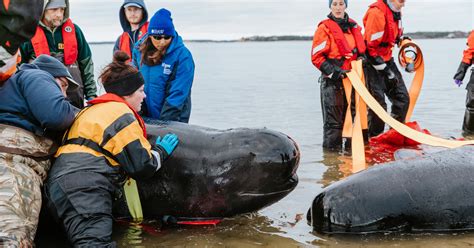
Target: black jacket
[18, 21]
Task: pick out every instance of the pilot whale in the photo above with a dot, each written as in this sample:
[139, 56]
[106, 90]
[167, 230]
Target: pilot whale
[433, 192]
[217, 173]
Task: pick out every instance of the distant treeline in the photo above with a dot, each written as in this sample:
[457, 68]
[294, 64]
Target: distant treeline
[415, 35]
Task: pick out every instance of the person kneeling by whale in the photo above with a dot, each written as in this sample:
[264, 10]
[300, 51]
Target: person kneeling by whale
[105, 144]
[33, 108]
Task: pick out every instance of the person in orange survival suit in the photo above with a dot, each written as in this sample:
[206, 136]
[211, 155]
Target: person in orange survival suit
[336, 42]
[383, 30]
[468, 55]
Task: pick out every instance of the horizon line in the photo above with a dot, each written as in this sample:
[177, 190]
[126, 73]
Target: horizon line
[268, 38]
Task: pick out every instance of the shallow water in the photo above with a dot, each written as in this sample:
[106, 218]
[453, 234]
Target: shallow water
[274, 85]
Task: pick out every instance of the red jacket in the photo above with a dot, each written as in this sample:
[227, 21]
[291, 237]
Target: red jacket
[330, 42]
[40, 43]
[468, 54]
[381, 30]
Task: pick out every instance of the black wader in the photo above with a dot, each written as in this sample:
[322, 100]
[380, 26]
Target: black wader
[468, 124]
[333, 106]
[379, 86]
[82, 203]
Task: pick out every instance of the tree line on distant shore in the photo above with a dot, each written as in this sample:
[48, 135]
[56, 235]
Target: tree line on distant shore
[414, 35]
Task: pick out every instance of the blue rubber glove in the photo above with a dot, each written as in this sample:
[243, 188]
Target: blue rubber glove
[458, 82]
[167, 144]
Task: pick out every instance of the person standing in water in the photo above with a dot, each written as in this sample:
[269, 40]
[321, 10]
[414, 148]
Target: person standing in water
[383, 30]
[467, 59]
[168, 69]
[336, 42]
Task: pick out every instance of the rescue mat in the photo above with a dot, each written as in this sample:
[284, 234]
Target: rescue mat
[154, 227]
[382, 148]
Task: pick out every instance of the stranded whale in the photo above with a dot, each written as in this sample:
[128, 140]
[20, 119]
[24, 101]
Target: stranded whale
[430, 193]
[217, 173]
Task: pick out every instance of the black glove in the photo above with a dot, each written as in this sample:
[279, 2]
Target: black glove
[379, 64]
[326, 68]
[462, 69]
[362, 57]
[410, 67]
[376, 61]
[334, 72]
[405, 37]
[402, 38]
[389, 73]
[338, 73]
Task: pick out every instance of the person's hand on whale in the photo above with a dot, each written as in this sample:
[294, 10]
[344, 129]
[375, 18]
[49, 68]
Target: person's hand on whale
[166, 145]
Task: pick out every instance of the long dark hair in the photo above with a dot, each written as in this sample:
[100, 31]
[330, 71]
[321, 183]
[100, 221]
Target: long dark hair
[150, 55]
[119, 68]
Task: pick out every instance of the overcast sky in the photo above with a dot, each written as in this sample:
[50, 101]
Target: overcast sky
[233, 19]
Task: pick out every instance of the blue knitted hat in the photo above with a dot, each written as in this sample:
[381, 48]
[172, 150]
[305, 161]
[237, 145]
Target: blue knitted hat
[161, 23]
[330, 2]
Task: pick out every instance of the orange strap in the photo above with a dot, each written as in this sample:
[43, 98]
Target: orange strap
[353, 129]
[347, 127]
[410, 53]
[358, 149]
[406, 131]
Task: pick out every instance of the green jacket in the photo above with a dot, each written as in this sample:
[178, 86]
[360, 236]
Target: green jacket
[84, 59]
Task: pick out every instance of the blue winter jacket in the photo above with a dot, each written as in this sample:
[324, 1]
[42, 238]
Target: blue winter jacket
[31, 99]
[168, 85]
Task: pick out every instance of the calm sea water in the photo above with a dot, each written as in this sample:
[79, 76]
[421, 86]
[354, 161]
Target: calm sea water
[274, 85]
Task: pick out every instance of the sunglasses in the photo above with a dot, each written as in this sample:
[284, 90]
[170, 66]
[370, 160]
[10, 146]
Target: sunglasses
[159, 37]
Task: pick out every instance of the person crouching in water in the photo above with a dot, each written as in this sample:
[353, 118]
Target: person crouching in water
[33, 107]
[105, 144]
[336, 42]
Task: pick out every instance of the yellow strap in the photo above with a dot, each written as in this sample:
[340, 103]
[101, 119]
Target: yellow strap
[358, 149]
[362, 105]
[348, 122]
[408, 46]
[399, 127]
[133, 199]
